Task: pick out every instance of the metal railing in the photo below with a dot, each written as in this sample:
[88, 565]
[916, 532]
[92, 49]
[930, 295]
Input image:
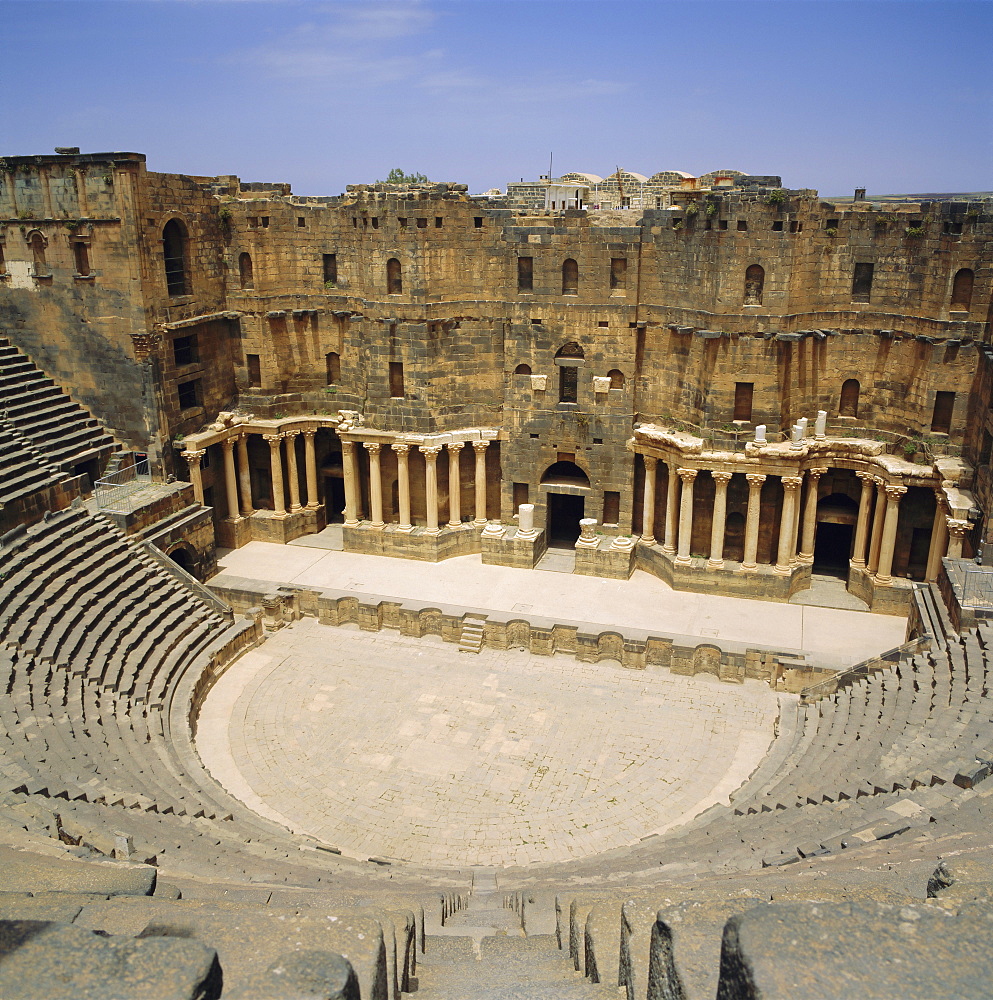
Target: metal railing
[976, 587]
[117, 492]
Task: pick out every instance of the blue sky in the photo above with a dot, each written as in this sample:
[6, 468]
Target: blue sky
[894, 96]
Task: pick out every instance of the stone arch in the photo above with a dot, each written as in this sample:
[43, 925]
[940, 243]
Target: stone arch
[246, 274]
[184, 557]
[849, 405]
[522, 370]
[962, 289]
[754, 284]
[175, 244]
[394, 277]
[570, 277]
[564, 474]
[616, 378]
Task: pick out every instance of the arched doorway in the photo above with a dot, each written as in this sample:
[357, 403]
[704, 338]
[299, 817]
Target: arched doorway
[183, 558]
[566, 487]
[836, 517]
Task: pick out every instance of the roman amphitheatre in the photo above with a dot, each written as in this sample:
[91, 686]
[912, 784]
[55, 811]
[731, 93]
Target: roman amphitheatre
[573, 591]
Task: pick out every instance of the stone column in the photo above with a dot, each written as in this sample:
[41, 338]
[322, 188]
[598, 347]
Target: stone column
[351, 474]
[718, 524]
[454, 484]
[375, 484]
[877, 524]
[291, 470]
[245, 475]
[862, 524]
[480, 449]
[648, 501]
[957, 530]
[685, 514]
[193, 461]
[893, 495]
[525, 521]
[431, 485]
[810, 516]
[310, 456]
[276, 466]
[403, 485]
[939, 538]
[230, 479]
[755, 481]
[669, 544]
[787, 540]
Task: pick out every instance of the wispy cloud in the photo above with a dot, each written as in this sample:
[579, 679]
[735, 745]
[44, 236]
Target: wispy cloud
[370, 45]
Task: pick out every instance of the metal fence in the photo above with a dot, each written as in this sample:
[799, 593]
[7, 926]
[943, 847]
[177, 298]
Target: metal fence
[117, 492]
[977, 588]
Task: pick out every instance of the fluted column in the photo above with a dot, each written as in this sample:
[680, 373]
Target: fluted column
[787, 540]
[862, 523]
[454, 484]
[648, 500]
[879, 515]
[810, 516]
[193, 461]
[685, 514]
[310, 458]
[351, 473]
[939, 538]
[276, 468]
[719, 522]
[291, 470]
[245, 475]
[755, 481]
[230, 479]
[957, 530]
[375, 484]
[403, 485]
[431, 486]
[893, 496]
[669, 543]
[480, 449]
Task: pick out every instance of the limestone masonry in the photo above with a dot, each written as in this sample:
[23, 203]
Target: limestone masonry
[741, 389]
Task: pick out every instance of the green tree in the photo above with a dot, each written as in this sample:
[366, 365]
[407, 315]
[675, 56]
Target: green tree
[397, 176]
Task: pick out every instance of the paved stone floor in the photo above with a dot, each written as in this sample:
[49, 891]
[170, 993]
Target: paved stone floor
[385, 745]
[829, 636]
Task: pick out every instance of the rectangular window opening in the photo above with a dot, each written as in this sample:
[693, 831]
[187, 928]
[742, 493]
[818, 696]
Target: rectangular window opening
[81, 258]
[742, 226]
[743, 392]
[422, 223]
[330, 261]
[862, 282]
[265, 221]
[520, 494]
[941, 420]
[402, 222]
[478, 221]
[618, 273]
[189, 394]
[301, 221]
[184, 350]
[525, 274]
[777, 226]
[254, 370]
[438, 222]
[396, 380]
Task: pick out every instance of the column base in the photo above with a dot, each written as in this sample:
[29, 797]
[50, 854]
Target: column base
[481, 522]
[404, 528]
[805, 559]
[669, 550]
[683, 560]
[647, 540]
[782, 570]
[453, 525]
[715, 564]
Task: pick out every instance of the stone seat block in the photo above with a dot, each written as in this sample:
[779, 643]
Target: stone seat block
[835, 951]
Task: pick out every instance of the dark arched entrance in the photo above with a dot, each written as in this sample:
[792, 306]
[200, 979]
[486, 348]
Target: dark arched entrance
[334, 488]
[183, 559]
[566, 486]
[836, 517]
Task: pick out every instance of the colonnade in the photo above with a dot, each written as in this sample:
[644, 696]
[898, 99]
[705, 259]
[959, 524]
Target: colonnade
[875, 529]
[282, 448]
[431, 453]
[238, 479]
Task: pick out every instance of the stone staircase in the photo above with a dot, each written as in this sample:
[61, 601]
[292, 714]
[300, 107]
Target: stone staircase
[484, 953]
[471, 640]
[64, 432]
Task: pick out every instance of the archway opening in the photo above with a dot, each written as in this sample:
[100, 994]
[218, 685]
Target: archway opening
[174, 251]
[565, 474]
[836, 516]
[183, 559]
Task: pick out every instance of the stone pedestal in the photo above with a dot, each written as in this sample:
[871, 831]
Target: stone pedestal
[612, 559]
[509, 547]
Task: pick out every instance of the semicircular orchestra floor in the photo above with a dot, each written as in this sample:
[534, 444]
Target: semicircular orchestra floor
[384, 745]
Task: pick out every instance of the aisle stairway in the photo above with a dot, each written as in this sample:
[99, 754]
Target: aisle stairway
[483, 953]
